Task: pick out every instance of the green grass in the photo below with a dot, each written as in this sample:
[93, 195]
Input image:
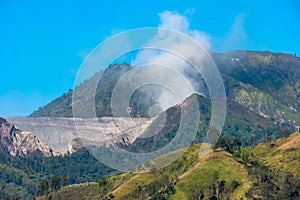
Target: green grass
[199, 176]
[173, 171]
[86, 191]
[286, 160]
[202, 178]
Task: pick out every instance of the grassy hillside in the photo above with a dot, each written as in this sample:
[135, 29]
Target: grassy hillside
[265, 82]
[274, 168]
[264, 171]
[282, 154]
[218, 174]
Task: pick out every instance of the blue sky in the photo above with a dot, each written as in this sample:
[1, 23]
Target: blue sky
[43, 43]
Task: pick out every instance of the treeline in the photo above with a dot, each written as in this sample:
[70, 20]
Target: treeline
[231, 145]
[29, 172]
[55, 183]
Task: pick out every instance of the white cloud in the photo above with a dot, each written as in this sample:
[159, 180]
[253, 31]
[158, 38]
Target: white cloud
[190, 11]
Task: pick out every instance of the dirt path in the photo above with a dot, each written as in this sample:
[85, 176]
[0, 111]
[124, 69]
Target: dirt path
[293, 143]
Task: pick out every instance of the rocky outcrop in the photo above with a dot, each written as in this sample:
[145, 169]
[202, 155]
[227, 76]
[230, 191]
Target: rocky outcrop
[15, 142]
[75, 145]
[61, 134]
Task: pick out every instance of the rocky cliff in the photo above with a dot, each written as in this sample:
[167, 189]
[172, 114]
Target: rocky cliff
[62, 134]
[15, 142]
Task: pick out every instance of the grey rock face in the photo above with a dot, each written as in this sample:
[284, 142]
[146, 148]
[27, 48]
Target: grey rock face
[16, 142]
[69, 135]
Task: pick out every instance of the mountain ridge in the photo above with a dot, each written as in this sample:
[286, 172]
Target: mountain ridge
[264, 82]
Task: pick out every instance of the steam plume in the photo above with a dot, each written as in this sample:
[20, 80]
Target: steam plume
[177, 22]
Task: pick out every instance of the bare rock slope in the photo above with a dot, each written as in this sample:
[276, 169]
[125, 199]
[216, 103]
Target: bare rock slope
[67, 134]
[16, 142]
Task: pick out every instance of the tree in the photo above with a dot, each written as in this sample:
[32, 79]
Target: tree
[17, 197]
[229, 145]
[234, 184]
[221, 187]
[64, 180]
[43, 187]
[104, 185]
[285, 133]
[55, 183]
[251, 140]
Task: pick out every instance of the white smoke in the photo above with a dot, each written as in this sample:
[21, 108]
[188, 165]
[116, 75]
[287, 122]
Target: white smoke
[179, 23]
[237, 37]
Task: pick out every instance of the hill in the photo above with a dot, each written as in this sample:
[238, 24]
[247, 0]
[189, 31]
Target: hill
[247, 173]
